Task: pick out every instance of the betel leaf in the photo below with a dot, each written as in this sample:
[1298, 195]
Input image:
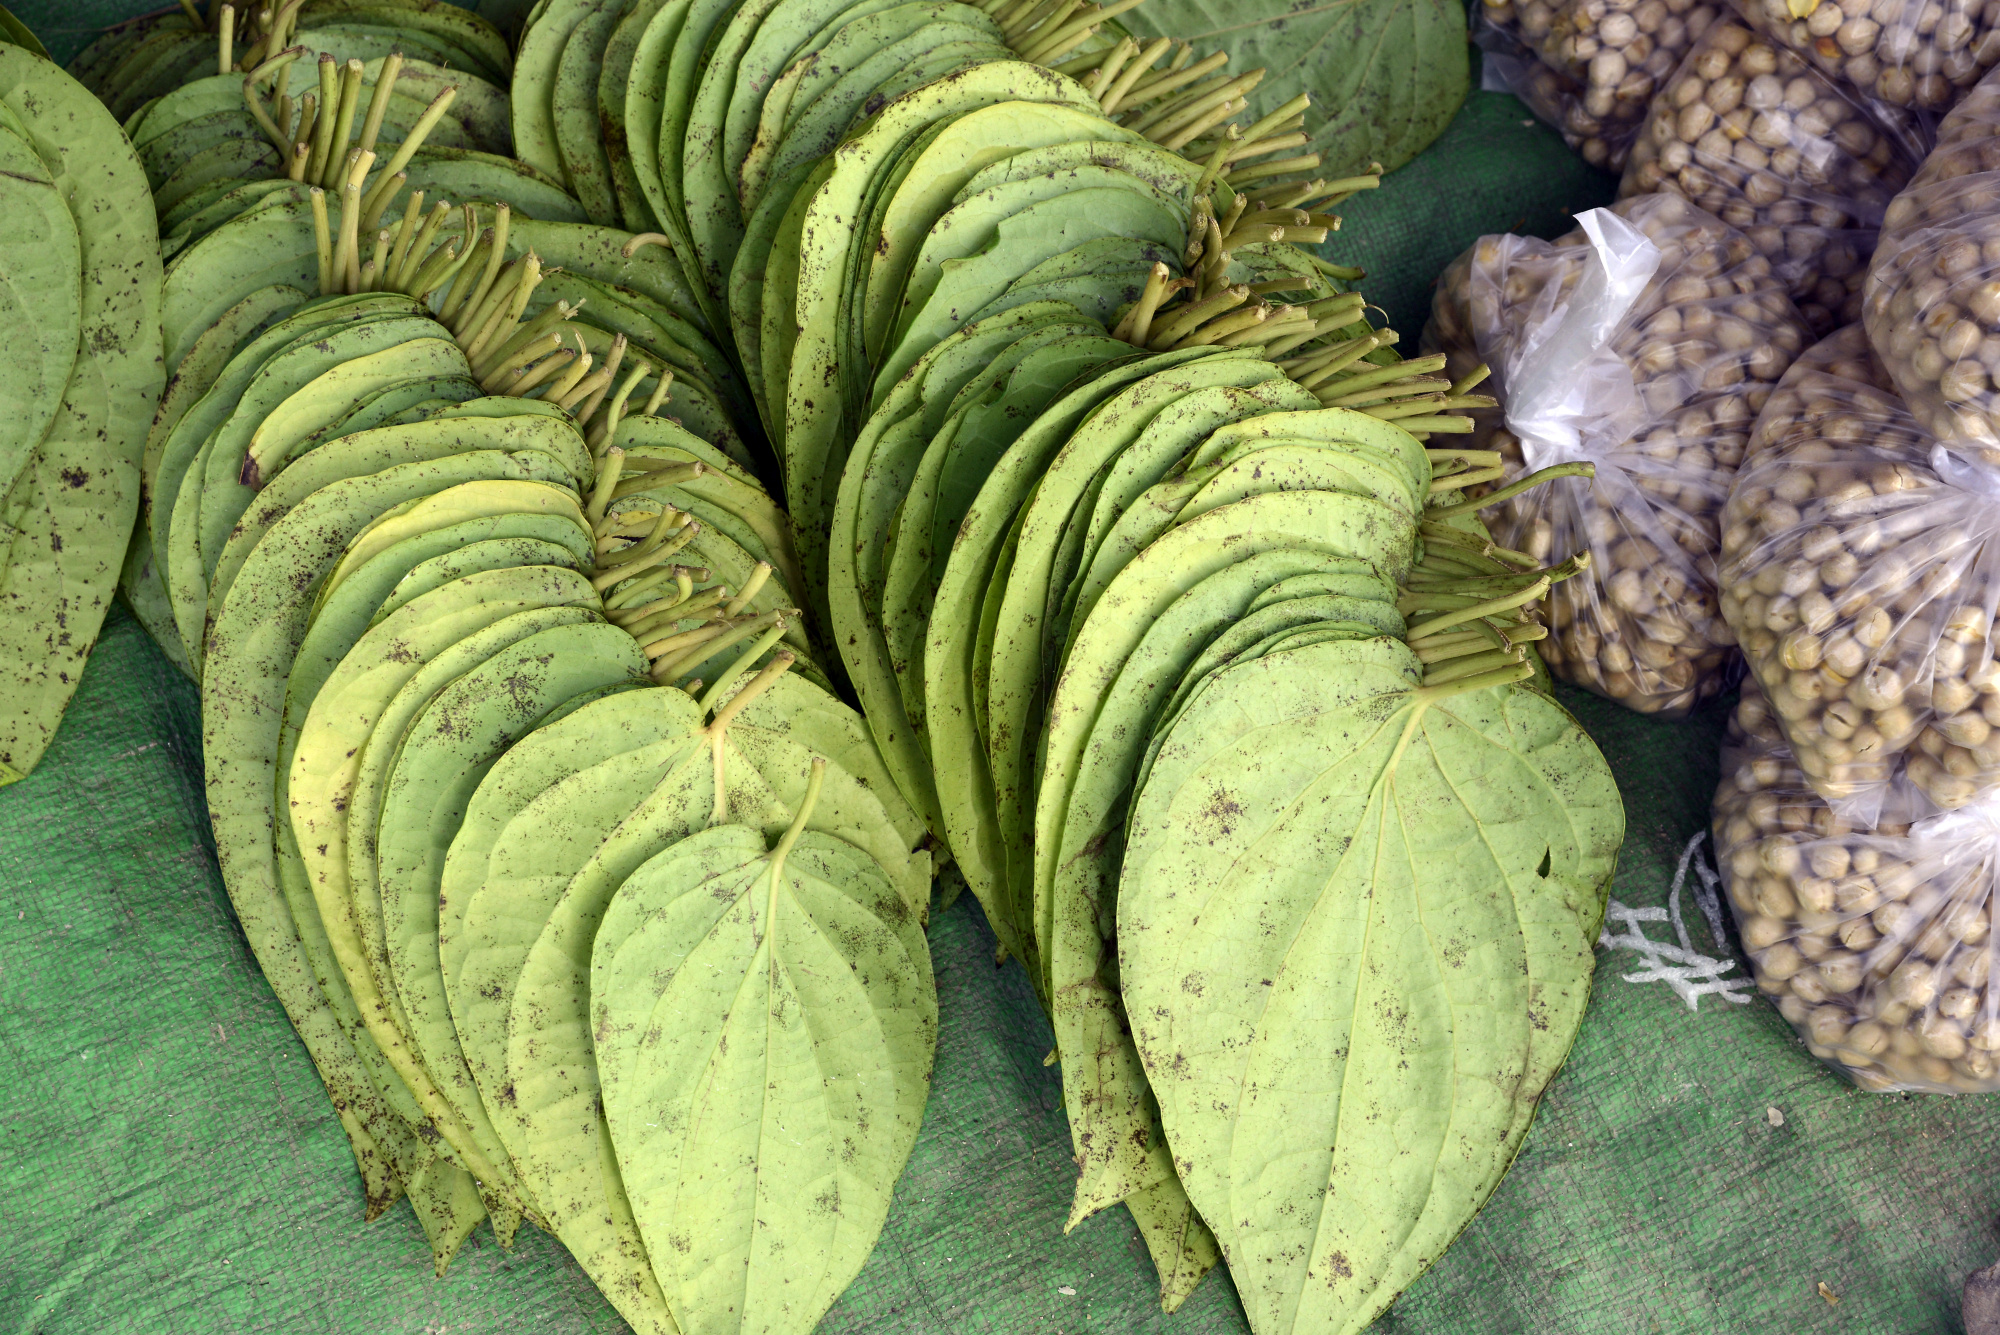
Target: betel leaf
[1386, 76]
[1354, 932]
[41, 300]
[764, 1026]
[70, 499]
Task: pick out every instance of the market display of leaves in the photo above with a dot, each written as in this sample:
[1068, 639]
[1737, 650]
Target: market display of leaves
[529, 567]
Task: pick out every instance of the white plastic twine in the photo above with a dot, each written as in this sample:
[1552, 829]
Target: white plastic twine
[1568, 394]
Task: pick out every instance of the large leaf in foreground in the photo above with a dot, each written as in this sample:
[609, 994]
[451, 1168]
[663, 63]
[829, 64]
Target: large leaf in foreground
[1386, 76]
[764, 1026]
[1355, 935]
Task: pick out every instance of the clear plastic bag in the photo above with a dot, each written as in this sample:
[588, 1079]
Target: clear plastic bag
[1878, 946]
[1921, 54]
[1932, 302]
[1646, 343]
[1804, 167]
[1860, 576]
[1802, 396]
[1589, 67]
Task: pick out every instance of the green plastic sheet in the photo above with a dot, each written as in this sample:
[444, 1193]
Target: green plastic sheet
[170, 1164]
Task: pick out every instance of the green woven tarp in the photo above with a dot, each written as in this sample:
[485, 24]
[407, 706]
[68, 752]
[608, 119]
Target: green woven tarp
[170, 1166]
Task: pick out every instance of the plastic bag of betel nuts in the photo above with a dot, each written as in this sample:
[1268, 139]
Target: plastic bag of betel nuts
[1877, 945]
[1920, 54]
[1861, 576]
[1589, 67]
[1800, 164]
[1645, 343]
[1932, 299]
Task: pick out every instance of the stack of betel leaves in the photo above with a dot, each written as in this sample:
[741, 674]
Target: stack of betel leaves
[177, 82]
[479, 669]
[1145, 555]
[247, 254]
[80, 298]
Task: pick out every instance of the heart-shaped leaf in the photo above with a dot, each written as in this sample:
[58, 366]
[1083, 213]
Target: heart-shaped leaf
[1355, 935]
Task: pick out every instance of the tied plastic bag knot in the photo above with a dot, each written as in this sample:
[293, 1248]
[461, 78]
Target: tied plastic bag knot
[1568, 394]
[1969, 468]
[1971, 830]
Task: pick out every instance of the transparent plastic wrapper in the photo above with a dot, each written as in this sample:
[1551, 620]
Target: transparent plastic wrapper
[1920, 54]
[1806, 394]
[1589, 67]
[1801, 165]
[1645, 343]
[1932, 302]
[1878, 946]
[1861, 577]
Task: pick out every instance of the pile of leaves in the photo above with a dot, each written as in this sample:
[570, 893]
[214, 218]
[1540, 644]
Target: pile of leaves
[1144, 554]
[484, 670]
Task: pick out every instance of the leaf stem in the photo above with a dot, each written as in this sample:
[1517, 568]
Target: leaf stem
[659, 394]
[655, 616]
[1135, 323]
[606, 428]
[672, 475]
[733, 633]
[343, 123]
[1431, 694]
[604, 579]
[1186, 320]
[1474, 612]
[1475, 664]
[329, 103]
[601, 491]
[1471, 477]
[1328, 362]
[758, 684]
[751, 587]
[602, 381]
[1513, 489]
[629, 618]
[278, 62]
[1121, 88]
[791, 837]
[378, 103]
[744, 661]
[323, 241]
[632, 593]
[414, 140]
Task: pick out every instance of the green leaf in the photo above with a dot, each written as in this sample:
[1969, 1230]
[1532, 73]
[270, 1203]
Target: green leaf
[1386, 76]
[1355, 936]
[71, 494]
[764, 1026]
